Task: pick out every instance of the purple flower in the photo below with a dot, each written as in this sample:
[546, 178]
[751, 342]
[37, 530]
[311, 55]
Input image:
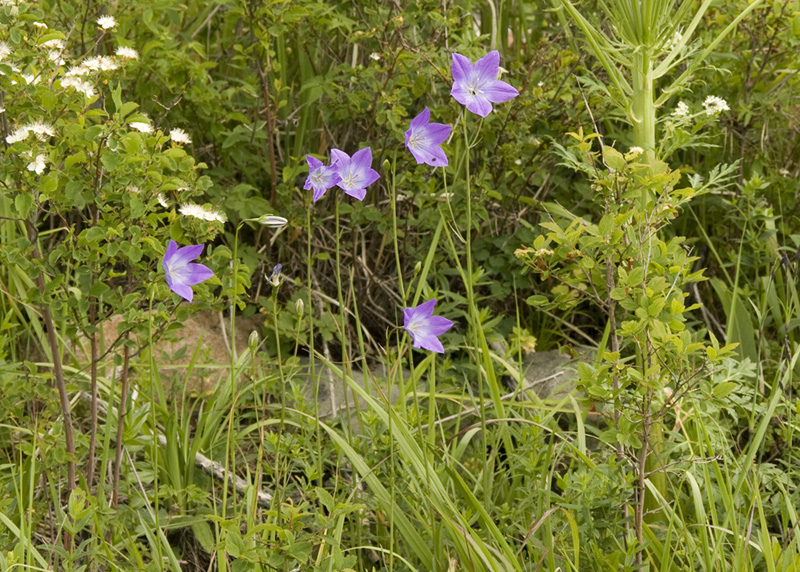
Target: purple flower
[423, 326]
[181, 272]
[424, 140]
[477, 86]
[320, 178]
[356, 172]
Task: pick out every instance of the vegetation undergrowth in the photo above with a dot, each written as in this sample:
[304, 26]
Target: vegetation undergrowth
[399, 286]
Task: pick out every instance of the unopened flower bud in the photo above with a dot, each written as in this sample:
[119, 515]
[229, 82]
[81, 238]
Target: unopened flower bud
[417, 268]
[386, 165]
[299, 306]
[275, 277]
[253, 341]
[272, 221]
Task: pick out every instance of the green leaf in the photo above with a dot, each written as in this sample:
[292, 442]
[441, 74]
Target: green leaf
[613, 158]
[724, 389]
[23, 203]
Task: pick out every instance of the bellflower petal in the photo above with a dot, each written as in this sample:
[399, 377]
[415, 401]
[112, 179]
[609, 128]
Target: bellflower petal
[356, 172]
[476, 86]
[424, 140]
[320, 178]
[424, 327]
[180, 272]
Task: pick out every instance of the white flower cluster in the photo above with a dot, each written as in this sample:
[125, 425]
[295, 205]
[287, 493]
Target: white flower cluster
[41, 129]
[202, 213]
[5, 51]
[682, 110]
[715, 105]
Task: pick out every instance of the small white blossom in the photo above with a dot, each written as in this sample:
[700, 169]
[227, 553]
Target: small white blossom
[180, 136]
[106, 22]
[54, 44]
[715, 105]
[38, 164]
[31, 79]
[141, 126]
[202, 213]
[635, 151]
[132, 189]
[40, 25]
[375, 56]
[682, 110]
[77, 71]
[55, 57]
[162, 200]
[42, 129]
[5, 51]
[18, 135]
[79, 84]
[127, 53]
[673, 43]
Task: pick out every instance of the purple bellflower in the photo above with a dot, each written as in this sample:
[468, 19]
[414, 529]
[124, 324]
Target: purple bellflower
[476, 86]
[424, 327]
[356, 172]
[424, 140]
[320, 177]
[181, 273]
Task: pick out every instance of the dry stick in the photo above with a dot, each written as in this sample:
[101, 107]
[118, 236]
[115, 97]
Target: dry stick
[270, 127]
[58, 371]
[612, 326]
[212, 468]
[120, 423]
[95, 359]
[217, 471]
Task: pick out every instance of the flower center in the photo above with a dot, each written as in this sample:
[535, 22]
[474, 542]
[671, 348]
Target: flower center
[350, 180]
[414, 140]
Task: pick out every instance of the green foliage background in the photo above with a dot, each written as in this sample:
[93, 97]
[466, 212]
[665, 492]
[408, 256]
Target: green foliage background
[258, 85]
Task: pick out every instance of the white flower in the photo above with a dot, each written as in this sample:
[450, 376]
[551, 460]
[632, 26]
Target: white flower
[682, 110]
[180, 136]
[673, 43]
[31, 79]
[55, 56]
[40, 25]
[202, 213]
[127, 53]
[54, 44]
[18, 135]
[715, 105]
[162, 200]
[41, 129]
[38, 164]
[635, 151]
[77, 71]
[79, 84]
[132, 189]
[141, 126]
[106, 22]
[375, 56]
[5, 51]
